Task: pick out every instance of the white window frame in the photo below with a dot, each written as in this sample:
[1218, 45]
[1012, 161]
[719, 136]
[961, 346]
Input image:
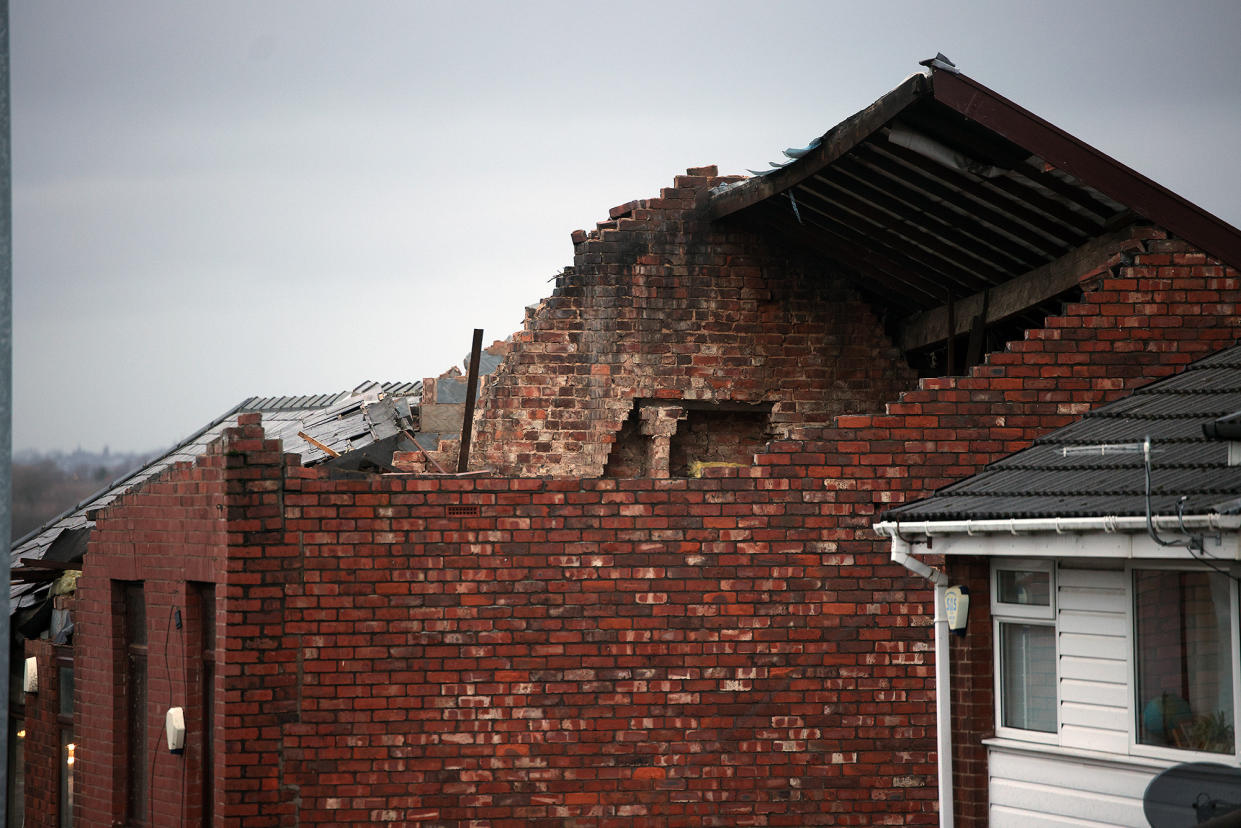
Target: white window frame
[1029, 615]
[1136, 748]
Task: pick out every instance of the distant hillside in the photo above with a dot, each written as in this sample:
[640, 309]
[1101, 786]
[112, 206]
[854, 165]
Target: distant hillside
[44, 485]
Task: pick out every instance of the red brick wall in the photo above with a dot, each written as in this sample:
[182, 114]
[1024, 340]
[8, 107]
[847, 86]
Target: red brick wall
[260, 668]
[687, 651]
[661, 303]
[170, 531]
[42, 743]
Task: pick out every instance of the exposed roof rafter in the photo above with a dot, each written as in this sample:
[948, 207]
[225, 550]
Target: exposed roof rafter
[943, 187]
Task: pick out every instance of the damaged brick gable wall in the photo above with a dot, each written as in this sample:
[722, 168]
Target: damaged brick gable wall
[663, 304]
[1134, 324]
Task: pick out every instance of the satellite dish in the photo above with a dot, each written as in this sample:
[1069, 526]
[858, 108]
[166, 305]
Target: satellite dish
[1192, 794]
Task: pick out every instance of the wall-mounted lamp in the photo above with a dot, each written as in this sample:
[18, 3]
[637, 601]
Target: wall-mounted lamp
[957, 608]
[174, 728]
[30, 676]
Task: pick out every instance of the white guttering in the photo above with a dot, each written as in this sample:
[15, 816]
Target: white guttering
[943, 719]
[1020, 526]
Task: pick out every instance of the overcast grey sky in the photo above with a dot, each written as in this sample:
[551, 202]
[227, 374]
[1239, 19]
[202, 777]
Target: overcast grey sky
[223, 199]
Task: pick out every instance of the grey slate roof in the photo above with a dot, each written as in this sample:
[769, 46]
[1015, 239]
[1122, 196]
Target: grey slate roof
[1043, 482]
[346, 422]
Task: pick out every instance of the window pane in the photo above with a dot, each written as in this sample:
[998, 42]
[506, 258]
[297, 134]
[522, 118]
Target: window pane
[1024, 587]
[1184, 655]
[1028, 676]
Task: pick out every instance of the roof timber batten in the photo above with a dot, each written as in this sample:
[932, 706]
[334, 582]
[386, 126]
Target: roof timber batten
[838, 141]
[1016, 295]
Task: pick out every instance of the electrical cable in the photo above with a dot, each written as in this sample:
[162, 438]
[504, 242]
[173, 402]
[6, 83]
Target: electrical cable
[155, 747]
[1194, 544]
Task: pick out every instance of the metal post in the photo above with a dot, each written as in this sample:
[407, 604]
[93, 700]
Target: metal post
[471, 391]
[6, 386]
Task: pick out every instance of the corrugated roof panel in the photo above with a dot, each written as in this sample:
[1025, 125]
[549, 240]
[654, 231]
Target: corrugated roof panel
[1124, 430]
[1051, 454]
[343, 421]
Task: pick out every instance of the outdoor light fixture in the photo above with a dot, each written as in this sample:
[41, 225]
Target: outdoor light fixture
[957, 608]
[30, 676]
[174, 727]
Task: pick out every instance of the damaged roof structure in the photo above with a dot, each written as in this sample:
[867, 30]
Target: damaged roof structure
[348, 430]
[954, 210]
[658, 596]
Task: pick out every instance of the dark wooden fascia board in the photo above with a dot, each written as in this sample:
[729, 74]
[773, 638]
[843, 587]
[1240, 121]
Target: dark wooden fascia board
[1107, 175]
[59, 566]
[1026, 291]
[839, 140]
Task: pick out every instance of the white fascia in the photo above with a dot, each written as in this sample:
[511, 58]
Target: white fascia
[1112, 536]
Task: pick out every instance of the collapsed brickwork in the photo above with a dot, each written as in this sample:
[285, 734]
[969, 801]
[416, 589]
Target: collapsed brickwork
[441, 412]
[722, 650]
[664, 307]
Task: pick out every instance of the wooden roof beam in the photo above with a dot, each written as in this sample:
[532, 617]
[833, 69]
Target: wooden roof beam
[1085, 163]
[1012, 297]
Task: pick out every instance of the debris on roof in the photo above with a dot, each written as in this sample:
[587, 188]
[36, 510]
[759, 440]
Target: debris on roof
[352, 429]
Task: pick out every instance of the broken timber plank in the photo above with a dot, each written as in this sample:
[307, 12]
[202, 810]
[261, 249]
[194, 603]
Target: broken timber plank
[325, 449]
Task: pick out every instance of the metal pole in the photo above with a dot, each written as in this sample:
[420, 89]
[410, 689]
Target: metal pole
[6, 386]
[471, 391]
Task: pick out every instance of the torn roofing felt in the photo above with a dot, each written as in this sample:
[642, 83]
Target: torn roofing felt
[944, 188]
[1094, 467]
[348, 429]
